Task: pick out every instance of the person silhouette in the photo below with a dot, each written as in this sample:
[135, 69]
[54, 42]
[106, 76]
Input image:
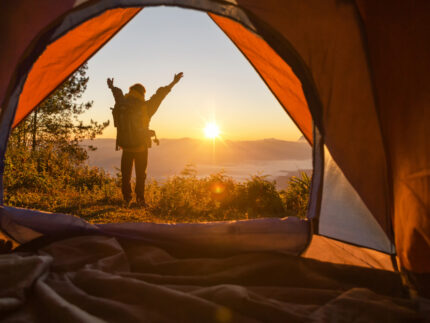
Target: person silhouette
[133, 135]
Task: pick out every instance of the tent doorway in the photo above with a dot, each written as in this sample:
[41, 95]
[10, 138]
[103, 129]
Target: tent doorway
[275, 59]
[221, 84]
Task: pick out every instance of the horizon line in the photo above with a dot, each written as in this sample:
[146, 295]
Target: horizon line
[205, 139]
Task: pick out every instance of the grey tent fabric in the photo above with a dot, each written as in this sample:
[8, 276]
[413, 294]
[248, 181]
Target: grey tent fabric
[104, 279]
[287, 235]
[343, 214]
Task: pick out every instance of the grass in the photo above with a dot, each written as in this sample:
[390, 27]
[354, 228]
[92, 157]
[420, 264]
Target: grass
[57, 184]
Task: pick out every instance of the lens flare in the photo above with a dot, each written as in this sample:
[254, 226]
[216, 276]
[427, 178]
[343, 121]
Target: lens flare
[218, 188]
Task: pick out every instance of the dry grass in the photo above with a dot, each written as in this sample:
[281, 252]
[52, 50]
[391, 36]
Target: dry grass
[57, 184]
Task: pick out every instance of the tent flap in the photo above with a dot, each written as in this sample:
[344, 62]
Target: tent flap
[64, 56]
[275, 72]
[343, 214]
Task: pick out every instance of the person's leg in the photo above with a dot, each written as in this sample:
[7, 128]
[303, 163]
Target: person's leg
[126, 168]
[140, 166]
[5, 246]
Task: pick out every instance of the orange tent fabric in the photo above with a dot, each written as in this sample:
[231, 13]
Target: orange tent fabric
[273, 70]
[64, 56]
[327, 37]
[399, 48]
[20, 27]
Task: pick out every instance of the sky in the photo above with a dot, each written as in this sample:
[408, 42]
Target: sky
[219, 84]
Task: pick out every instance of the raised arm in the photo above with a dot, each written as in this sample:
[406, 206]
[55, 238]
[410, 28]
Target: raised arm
[155, 100]
[176, 79]
[117, 92]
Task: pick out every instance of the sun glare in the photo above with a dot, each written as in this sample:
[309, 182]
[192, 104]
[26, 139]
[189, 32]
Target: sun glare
[211, 130]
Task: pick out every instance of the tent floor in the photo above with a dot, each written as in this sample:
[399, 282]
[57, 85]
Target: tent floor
[99, 278]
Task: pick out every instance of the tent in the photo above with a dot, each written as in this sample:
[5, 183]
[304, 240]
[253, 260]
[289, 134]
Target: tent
[351, 74]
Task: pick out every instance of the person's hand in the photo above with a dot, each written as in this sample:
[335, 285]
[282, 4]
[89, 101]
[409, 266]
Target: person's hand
[110, 82]
[178, 77]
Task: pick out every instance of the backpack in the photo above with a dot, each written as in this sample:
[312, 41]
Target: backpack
[130, 131]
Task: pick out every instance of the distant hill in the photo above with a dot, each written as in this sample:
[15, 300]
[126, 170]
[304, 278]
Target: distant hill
[239, 159]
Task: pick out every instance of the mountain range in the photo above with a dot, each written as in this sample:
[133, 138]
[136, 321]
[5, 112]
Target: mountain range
[278, 159]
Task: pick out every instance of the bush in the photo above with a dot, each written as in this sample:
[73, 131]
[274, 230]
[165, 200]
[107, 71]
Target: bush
[296, 196]
[51, 180]
[259, 197]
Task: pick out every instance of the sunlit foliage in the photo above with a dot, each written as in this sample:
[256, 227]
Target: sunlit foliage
[56, 183]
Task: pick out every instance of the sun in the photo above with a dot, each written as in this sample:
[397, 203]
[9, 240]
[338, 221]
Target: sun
[211, 130]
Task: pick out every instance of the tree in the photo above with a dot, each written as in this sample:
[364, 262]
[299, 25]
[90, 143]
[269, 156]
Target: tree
[55, 122]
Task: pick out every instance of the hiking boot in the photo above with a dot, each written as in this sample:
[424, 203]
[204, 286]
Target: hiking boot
[133, 205]
[127, 202]
[141, 202]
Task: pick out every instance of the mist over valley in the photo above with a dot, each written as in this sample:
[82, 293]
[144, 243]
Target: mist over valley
[278, 159]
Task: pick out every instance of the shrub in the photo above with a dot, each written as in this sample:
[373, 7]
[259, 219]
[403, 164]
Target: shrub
[49, 179]
[296, 196]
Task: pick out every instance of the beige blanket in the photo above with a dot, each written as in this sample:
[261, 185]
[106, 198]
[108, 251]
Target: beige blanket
[99, 278]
